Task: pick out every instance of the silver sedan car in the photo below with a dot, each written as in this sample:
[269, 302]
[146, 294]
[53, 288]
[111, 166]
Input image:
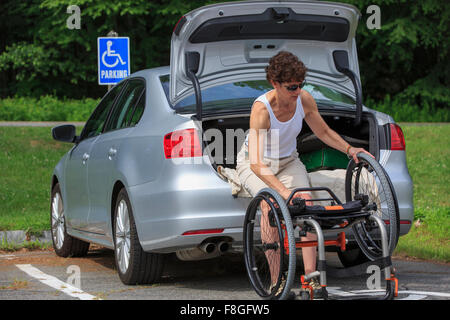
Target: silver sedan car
[142, 177]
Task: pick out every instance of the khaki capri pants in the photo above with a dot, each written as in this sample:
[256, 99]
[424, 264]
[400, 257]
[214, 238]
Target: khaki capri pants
[289, 170]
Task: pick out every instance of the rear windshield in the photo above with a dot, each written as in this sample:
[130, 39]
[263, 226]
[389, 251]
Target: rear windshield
[241, 95]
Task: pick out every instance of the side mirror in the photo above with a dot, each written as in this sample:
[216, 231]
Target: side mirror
[65, 133]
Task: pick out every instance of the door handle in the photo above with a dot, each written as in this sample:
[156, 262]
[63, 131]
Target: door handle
[85, 158]
[111, 153]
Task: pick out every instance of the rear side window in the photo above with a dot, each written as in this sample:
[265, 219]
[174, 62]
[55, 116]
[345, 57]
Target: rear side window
[94, 126]
[239, 96]
[224, 97]
[138, 111]
[125, 107]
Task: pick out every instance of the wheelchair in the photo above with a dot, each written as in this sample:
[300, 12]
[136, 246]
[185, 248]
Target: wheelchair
[370, 215]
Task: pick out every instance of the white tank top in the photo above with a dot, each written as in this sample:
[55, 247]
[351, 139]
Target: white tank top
[281, 139]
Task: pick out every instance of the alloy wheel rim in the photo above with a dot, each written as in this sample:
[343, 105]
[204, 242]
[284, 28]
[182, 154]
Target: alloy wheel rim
[58, 226]
[123, 236]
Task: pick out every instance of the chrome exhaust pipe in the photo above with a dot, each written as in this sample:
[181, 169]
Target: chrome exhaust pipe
[205, 251]
[208, 247]
[223, 246]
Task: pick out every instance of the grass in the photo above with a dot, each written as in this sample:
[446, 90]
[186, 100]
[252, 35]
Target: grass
[17, 284]
[27, 158]
[51, 108]
[29, 154]
[46, 108]
[428, 158]
[30, 245]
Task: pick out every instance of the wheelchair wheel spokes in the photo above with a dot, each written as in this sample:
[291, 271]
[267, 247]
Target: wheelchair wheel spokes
[373, 245]
[261, 271]
[369, 178]
[264, 251]
[365, 181]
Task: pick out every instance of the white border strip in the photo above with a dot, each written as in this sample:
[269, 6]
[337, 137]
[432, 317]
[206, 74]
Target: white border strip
[412, 294]
[55, 283]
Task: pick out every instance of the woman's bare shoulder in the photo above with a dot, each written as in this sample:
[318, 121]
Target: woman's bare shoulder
[259, 117]
[308, 102]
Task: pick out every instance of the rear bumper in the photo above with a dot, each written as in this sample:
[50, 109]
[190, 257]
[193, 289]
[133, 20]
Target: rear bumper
[394, 162]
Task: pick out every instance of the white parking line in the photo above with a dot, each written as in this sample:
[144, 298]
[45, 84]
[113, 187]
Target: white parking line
[55, 283]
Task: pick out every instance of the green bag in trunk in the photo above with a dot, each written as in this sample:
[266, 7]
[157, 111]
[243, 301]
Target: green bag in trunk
[325, 158]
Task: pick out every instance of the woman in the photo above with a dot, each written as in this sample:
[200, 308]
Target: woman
[269, 158]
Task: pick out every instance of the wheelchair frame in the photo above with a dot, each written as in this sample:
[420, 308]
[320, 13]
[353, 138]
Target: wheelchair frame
[288, 216]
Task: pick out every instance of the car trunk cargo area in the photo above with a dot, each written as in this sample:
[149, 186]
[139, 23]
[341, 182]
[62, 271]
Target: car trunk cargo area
[224, 136]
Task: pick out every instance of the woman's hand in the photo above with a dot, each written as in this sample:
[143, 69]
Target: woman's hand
[352, 152]
[305, 196]
[286, 193]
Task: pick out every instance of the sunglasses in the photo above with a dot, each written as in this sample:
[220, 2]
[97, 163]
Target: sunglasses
[295, 86]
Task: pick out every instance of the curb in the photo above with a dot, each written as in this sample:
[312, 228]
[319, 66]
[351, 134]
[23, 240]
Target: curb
[20, 236]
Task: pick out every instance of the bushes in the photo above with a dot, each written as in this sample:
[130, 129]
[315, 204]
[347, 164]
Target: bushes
[47, 108]
[403, 110]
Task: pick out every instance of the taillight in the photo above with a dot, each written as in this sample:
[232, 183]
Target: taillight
[182, 144]
[397, 138]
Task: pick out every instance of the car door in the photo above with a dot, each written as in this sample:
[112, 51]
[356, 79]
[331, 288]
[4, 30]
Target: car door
[76, 170]
[102, 168]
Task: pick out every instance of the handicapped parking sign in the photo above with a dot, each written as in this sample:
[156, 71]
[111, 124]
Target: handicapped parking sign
[113, 59]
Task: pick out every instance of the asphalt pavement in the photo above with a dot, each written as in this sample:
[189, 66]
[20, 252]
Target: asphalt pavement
[41, 275]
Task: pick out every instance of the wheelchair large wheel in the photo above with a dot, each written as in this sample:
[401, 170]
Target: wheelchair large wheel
[369, 178]
[270, 266]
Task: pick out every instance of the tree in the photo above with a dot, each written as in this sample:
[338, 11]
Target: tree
[42, 56]
[409, 55]
[406, 60]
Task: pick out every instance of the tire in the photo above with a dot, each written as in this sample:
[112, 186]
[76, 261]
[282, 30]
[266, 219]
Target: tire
[134, 265]
[352, 257]
[63, 244]
[368, 177]
[257, 252]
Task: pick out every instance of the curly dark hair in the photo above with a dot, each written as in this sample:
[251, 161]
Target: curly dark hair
[285, 67]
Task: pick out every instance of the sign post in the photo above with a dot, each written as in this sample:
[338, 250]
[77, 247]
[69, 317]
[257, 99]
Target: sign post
[113, 59]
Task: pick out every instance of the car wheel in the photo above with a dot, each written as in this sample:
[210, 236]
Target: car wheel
[135, 266]
[63, 244]
[352, 257]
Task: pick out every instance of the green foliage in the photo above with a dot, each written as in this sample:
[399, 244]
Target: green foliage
[50, 108]
[406, 62]
[408, 58]
[401, 110]
[46, 108]
[39, 55]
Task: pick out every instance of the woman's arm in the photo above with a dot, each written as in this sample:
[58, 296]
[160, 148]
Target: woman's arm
[323, 131]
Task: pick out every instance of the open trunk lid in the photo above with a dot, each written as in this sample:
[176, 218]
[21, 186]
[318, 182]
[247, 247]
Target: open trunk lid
[234, 41]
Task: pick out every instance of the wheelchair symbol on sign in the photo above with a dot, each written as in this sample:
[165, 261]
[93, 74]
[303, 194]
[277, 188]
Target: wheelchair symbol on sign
[111, 53]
